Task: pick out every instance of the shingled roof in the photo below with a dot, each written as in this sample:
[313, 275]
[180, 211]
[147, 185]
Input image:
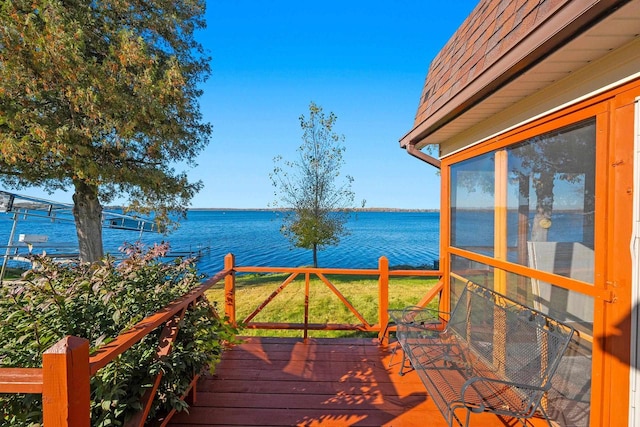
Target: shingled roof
[499, 40]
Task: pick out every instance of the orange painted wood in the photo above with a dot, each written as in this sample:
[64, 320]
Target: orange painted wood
[230, 288]
[330, 271]
[561, 281]
[417, 273]
[310, 270]
[296, 400]
[436, 290]
[383, 299]
[343, 299]
[445, 235]
[383, 272]
[32, 380]
[167, 338]
[501, 250]
[309, 326]
[66, 391]
[323, 382]
[616, 226]
[611, 290]
[21, 380]
[277, 387]
[125, 340]
[275, 293]
[189, 397]
[295, 369]
[599, 414]
[306, 306]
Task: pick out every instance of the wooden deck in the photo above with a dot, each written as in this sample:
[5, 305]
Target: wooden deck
[324, 382]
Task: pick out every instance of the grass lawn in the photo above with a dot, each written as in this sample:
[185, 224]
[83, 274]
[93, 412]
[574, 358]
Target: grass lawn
[324, 305]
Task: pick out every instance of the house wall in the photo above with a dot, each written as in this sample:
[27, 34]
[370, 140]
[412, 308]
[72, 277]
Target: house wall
[613, 107]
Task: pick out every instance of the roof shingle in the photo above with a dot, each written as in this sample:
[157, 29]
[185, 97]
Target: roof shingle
[493, 28]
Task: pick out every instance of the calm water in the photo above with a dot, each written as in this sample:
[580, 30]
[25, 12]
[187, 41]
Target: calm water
[405, 238]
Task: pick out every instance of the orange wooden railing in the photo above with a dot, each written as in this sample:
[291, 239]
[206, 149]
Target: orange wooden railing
[383, 272]
[67, 367]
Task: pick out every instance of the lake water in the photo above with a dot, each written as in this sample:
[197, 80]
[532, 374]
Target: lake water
[405, 238]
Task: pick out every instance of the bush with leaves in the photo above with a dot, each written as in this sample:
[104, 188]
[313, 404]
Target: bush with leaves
[98, 302]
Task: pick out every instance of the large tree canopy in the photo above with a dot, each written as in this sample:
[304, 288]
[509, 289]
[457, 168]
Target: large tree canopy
[102, 97]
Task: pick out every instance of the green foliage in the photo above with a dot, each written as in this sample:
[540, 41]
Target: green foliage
[306, 229]
[311, 188]
[98, 302]
[102, 97]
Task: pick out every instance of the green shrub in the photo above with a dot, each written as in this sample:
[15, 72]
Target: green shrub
[98, 302]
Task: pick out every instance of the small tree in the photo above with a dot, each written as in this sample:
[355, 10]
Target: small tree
[318, 202]
[102, 97]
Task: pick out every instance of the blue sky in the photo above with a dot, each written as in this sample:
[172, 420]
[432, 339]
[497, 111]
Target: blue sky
[363, 60]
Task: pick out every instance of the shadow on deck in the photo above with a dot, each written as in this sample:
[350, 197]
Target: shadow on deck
[328, 382]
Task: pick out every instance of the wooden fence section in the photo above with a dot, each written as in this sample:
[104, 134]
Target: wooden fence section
[21, 380]
[383, 272]
[67, 367]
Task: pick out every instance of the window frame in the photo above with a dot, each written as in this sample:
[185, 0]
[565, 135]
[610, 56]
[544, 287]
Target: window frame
[498, 144]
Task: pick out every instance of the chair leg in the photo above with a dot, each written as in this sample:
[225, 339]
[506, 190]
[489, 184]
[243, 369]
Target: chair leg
[404, 358]
[544, 414]
[468, 417]
[393, 354]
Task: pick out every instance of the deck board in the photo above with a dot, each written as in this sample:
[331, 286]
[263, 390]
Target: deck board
[324, 382]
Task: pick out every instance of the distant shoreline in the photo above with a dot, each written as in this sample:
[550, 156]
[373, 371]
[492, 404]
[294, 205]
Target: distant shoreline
[282, 209]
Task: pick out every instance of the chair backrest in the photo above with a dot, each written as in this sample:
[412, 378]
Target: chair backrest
[517, 342]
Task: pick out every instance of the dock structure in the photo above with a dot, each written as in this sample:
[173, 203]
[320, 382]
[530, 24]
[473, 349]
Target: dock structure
[21, 246]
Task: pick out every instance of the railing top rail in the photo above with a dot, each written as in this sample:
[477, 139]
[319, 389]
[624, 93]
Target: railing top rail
[425, 273]
[125, 340]
[21, 380]
[310, 270]
[345, 271]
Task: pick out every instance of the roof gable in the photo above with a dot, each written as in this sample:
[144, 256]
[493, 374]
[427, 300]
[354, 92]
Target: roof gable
[498, 41]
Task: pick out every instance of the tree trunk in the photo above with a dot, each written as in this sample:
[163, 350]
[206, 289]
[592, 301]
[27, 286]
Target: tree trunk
[87, 213]
[315, 256]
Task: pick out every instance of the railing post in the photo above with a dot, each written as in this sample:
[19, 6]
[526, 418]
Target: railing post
[383, 300]
[66, 388]
[230, 288]
[306, 306]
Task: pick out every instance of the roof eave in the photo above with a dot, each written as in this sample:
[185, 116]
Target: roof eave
[560, 28]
